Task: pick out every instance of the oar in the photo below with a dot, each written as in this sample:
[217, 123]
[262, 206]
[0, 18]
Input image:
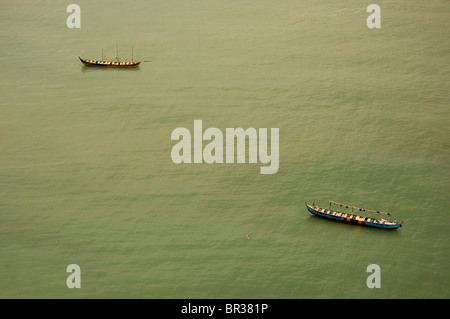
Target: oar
[146, 61]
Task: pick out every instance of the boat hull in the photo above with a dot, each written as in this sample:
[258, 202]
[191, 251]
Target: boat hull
[352, 219]
[110, 64]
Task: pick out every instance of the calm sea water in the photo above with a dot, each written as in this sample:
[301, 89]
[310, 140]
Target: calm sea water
[86, 175]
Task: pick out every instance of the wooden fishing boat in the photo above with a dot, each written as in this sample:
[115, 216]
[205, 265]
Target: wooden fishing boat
[117, 64]
[351, 218]
[116, 61]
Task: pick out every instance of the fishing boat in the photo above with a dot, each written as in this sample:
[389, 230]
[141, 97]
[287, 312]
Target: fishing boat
[113, 61]
[351, 218]
[118, 64]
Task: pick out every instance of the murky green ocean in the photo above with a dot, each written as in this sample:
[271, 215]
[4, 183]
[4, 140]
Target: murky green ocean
[86, 175]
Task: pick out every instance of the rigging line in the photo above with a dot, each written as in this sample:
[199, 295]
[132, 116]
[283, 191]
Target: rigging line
[360, 209]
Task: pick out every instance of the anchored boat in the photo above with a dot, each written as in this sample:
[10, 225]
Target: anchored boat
[113, 62]
[119, 64]
[351, 218]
